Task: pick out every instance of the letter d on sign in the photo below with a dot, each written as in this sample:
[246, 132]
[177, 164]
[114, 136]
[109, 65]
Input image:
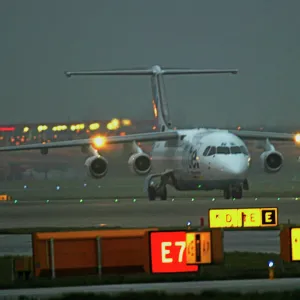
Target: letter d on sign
[228, 218]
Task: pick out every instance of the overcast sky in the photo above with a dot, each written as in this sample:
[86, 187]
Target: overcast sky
[41, 39]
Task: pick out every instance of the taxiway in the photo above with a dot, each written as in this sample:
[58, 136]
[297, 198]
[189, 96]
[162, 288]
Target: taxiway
[138, 213]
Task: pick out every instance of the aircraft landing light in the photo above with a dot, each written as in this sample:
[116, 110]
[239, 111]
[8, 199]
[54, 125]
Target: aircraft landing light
[98, 142]
[297, 138]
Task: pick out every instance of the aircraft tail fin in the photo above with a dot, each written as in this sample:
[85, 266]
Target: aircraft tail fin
[159, 100]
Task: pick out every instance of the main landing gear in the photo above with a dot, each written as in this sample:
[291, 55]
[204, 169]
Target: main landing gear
[236, 191]
[155, 190]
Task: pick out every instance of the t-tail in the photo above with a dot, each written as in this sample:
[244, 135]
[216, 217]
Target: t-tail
[159, 99]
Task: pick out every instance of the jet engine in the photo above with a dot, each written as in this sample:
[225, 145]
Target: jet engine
[140, 163]
[97, 166]
[271, 161]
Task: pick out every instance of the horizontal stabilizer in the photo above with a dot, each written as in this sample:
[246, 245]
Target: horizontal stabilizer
[155, 70]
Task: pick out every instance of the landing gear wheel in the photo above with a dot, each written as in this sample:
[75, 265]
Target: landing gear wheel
[246, 185]
[227, 193]
[151, 193]
[237, 193]
[164, 193]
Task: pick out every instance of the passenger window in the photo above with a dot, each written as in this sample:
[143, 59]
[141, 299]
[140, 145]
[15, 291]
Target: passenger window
[212, 151]
[235, 150]
[223, 150]
[244, 150]
[206, 151]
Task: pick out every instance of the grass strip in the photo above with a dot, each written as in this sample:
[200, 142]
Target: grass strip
[237, 265]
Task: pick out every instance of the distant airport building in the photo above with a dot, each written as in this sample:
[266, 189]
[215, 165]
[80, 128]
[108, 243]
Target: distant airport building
[17, 134]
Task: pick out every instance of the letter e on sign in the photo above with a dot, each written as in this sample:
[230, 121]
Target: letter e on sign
[168, 252]
[249, 217]
[269, 217]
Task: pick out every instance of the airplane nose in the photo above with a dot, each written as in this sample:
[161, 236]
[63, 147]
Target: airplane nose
[233, 169]
[234, 166]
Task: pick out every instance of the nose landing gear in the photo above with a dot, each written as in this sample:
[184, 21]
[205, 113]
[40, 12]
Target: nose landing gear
[233, 192]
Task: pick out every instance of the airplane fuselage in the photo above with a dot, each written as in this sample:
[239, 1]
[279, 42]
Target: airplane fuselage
[204, 159]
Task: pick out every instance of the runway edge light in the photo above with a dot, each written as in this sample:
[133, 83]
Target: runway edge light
[271, 267]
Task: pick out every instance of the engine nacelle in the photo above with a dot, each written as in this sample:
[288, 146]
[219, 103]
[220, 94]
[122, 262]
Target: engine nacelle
[271, 161]
[97, 166]
[140, 163]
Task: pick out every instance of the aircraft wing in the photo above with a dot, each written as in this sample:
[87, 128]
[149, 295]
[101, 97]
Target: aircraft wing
[139, 137]
[261, 135]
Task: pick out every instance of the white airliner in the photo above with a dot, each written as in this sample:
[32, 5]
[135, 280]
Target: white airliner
[191, 159]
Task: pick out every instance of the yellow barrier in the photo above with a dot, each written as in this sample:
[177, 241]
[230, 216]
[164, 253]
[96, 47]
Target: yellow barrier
[5, 197]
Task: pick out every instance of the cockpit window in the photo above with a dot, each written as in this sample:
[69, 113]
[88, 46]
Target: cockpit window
[244, 150]
[223, 150]
[206, 151]
[235, 150]
[212, 151]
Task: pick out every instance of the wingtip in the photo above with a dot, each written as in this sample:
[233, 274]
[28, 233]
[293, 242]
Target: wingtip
[67, 74]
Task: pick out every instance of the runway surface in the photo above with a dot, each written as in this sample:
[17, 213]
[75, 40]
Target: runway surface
[242, 286]
[138, 213]
[132, 212]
